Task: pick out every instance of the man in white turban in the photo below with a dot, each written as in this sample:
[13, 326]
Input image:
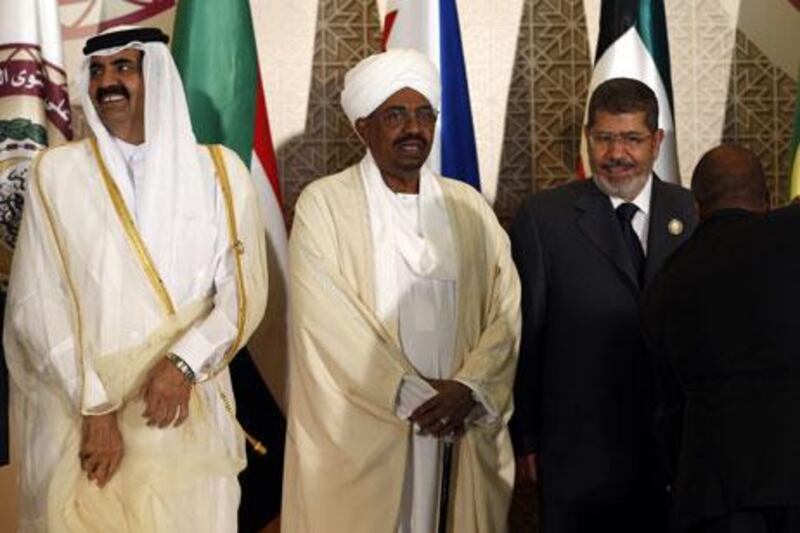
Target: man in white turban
[139, 270]
[404, 329]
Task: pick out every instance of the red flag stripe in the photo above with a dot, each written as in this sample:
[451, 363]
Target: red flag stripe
[387, 27]
[262, 142]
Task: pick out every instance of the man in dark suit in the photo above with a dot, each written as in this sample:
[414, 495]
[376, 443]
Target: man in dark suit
[583, 395]
[722, 324]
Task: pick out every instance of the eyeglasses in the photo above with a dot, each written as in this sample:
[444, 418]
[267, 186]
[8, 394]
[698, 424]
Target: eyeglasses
[394, 117]
[631, 141]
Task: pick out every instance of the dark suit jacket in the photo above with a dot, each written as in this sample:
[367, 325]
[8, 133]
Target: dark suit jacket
[583, 394]
[722, 321]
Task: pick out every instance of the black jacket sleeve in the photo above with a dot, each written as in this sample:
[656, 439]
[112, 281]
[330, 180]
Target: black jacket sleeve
[527, 251]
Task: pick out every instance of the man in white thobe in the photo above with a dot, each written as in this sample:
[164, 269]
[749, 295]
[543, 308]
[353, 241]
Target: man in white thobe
[404, 328]
[140, 269]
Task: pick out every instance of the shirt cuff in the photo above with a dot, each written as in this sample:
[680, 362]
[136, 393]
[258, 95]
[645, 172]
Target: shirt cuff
[482, 414]
[95, 400]
[195, 351]
[413, 392]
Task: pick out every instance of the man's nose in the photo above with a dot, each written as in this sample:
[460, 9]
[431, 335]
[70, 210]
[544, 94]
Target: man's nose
[412, 123]
[107, 78]
[617, 147]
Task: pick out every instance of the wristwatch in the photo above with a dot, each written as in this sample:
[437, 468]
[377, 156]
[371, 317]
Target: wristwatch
[183, 366]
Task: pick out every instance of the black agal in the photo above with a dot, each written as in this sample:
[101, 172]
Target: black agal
[123, 37]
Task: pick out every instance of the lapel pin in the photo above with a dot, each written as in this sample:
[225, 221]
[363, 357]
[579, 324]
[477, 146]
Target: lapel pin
[675, 227]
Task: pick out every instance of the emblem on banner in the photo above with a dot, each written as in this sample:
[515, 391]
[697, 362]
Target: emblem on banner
[81, 18]
[34, 113]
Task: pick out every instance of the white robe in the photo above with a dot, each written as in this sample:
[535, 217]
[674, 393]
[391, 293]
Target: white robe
[347, 450]
[425, 295]
[426, 323]
[89, 311]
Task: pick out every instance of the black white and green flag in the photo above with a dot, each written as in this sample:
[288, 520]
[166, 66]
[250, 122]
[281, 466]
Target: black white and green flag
[633, 44]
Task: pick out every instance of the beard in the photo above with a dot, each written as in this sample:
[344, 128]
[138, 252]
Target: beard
[627, 188]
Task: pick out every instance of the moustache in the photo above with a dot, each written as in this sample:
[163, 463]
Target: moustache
[613, 164]
[111, 90]
[411, 137]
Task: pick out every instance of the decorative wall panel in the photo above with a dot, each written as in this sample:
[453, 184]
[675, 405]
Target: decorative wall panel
[347, 31]
[545, 106]
[759, 113]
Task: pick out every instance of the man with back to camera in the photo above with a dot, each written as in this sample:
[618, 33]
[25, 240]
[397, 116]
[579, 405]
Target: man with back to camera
[139, 270]
[405, 321]
[584, 391]
[721, 325]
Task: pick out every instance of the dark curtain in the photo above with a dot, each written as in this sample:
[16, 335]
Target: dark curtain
[260, 416]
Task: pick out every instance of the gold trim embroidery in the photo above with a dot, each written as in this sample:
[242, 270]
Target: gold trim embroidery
[238, 250]
[155, 279]
[135, 240]
[236, 244]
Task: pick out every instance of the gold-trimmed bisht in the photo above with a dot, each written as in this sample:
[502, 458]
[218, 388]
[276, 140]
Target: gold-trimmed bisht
[156, 281]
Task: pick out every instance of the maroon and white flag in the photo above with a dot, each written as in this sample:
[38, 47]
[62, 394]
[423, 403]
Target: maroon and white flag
[84, 18]
[34, 105]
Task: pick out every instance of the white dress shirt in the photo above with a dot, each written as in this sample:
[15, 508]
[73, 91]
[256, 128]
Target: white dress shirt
[641, 219]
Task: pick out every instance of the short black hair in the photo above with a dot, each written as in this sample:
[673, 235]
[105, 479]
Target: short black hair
[624, 95]
[728, 176]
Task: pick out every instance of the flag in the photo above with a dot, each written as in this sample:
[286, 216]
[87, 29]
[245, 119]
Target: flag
[34, 114]
[431, 26]
[633, 44]
[215, 49]
[81, 19]
[794, 170]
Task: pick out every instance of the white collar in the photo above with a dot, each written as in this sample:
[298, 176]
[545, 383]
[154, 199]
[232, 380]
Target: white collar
[429, 253]
[129, 151]
[642, 200]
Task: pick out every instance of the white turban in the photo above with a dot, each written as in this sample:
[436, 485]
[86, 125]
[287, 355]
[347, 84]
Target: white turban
[374, 79]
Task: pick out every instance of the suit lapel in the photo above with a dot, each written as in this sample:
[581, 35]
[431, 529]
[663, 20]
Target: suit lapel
[597, 221]
[661, 242]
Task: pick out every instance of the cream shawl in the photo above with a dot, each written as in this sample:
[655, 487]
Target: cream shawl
[346, 448]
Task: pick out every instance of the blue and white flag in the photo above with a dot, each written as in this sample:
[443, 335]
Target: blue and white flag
[431, 26]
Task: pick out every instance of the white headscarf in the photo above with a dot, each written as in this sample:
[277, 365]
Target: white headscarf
[379, 76]
[172, 167]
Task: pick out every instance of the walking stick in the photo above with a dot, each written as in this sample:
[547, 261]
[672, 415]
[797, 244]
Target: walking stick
[444, 493]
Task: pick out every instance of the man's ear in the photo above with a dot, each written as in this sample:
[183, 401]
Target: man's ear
[658, 138]
[362, 128]
[697, 208]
